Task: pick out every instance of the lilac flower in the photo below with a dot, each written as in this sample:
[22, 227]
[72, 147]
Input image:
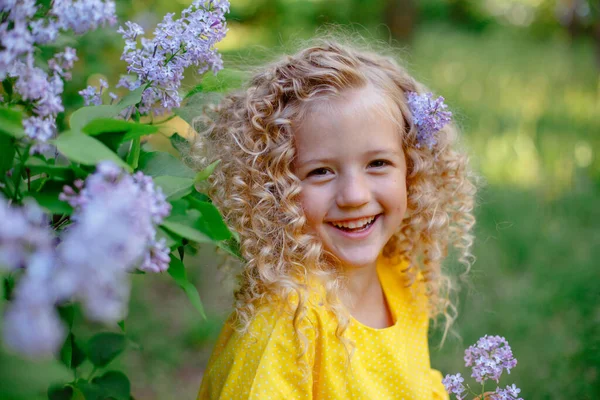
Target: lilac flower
[157, 258]
[40, 130]
[454, 384]
[61, 63]
[91, 96]
[31, 324]
[428, 116]
[81, 16]
[489, 357]
[510, 393]
[177, 44]
[24, 236]
[114, 230]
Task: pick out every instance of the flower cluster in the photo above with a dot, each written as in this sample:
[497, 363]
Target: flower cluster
[21, 30]
[510, 393]
[176, 45]
[31, 324]
[114, 227]
[454, 384]
[488, 358]
[24, 236]
[114, 231]
[428, 116]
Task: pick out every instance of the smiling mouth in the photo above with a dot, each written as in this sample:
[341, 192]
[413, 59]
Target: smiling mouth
[357, 225]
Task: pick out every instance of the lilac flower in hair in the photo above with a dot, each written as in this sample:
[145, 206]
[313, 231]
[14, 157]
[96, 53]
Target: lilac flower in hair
[428, 116]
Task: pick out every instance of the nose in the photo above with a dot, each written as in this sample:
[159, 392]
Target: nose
[353, 191]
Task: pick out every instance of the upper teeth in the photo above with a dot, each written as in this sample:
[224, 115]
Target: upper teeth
[357, 223]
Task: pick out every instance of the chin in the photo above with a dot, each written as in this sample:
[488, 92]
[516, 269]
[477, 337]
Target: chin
[364, 259]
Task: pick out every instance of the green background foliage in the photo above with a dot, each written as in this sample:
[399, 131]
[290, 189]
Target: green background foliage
[524, 87]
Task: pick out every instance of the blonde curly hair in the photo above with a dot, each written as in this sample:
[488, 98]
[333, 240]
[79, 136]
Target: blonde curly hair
[252, 132]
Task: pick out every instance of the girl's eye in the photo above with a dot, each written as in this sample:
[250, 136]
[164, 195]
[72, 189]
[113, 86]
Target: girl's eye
[318, 172]
[379, 163]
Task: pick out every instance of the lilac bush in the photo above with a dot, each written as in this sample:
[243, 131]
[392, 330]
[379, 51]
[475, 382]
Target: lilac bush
[488, 358]
[78, 221]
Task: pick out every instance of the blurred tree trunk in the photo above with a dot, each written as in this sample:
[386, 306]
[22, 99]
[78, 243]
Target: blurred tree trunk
[400, 17]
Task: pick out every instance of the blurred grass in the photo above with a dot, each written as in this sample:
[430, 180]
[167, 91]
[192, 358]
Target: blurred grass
[529, 110]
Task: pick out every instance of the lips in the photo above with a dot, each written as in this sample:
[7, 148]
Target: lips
[355, 224]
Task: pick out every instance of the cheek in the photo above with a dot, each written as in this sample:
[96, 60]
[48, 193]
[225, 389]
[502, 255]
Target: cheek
[309, 201]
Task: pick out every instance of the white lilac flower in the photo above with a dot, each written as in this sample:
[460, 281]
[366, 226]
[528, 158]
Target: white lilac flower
[454, 384]
[428, 115]
[489, 357]
[177, 45]
[24, 236]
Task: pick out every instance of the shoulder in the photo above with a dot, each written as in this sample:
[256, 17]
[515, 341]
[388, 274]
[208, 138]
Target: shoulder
[271, 349]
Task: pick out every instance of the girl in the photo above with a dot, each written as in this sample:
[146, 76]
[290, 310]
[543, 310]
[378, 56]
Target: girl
[343, 181]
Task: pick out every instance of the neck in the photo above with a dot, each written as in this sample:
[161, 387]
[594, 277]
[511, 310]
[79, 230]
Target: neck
[363, 287]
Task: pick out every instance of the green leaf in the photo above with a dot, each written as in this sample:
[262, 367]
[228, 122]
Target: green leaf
[133, 156]
[177, 272]
[90, 391]
[83, 116]
[113, 384]
[196, 103]
[67, 314]
[206, 172]
[37, 166]
[11, 123]
[85, 149]
[7, 154]
[71, 355]
[9, 286]
[231, 247]
[158, 163]
[122, 325]
[60, 392]
[171, 239]
[174, 187]
[50, 203]
[132, 98]
[184, 229]
[179, 143]
[103, 125]
[104, 347]
[196, 89]
[210, 221]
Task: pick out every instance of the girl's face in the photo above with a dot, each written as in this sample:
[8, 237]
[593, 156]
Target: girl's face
[353, 172]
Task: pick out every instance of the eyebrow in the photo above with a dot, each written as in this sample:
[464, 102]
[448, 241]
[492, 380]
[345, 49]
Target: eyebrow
[368, 154]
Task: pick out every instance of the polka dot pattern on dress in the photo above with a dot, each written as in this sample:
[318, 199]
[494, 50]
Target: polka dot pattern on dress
[388, 363]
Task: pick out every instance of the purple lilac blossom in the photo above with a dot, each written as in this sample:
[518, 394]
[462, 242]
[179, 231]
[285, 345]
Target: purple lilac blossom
[489, 357]
[21, 30]
[454, 384]
[83, 15]
[115, 217]
[510, 393]
[31, 324]
[24, 236]
[177, 44]
[40, 130]
[428, 116]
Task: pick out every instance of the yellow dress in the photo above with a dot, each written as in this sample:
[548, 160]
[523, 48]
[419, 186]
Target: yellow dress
[388, 363]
